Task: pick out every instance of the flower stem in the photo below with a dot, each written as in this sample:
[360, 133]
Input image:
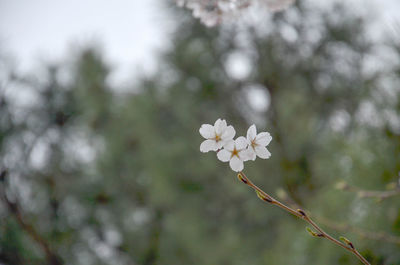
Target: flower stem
[302, 215]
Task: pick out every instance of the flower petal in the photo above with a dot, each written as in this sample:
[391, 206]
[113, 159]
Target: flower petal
[247, 154]
[224, 155]
[236, 164]
[229, 133]
[262, 152]
[251, 133]
[241, 143]
[230, 145]
[220, 126]
[208, 145]
[207, 131]
[263, 138]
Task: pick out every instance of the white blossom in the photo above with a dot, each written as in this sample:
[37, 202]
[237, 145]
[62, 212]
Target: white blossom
[216, 136]
[257, 143]
[220, 138]
[235, 152]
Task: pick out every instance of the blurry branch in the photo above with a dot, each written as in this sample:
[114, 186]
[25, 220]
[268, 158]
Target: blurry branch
[379, 195]
[378, 236]
[52, 258]
[348, 245]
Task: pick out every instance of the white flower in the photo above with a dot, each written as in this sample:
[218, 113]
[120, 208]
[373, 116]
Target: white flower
[235, 152]
[257, 143]
[217, 136]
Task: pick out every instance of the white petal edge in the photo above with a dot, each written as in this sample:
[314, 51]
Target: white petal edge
[263, 138]
[241, 143]
[207, 131]
[224, 155]
[217, 123]
[236, 164]
[208, 145]
[229, 133]
[262, 152]
[251, 133]
[220, 126]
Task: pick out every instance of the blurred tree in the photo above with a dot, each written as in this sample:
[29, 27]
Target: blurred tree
[104, 177]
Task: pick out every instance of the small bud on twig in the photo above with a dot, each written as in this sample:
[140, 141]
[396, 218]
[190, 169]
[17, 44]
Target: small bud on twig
[242, 178]
[341, 185]
[301, 212]
[311, 232]
[263, 197]
[348, 242]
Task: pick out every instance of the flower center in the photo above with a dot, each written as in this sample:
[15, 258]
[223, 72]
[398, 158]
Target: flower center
[253, 144]
[217, 138]
[235, 153]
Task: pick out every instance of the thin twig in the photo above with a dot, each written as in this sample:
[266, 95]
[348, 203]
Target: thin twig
[302, 215]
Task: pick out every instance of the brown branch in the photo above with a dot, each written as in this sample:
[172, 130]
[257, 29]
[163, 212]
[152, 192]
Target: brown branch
[302, 215]
[51, 257]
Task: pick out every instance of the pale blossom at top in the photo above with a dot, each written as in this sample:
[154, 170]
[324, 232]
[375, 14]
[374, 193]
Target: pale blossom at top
[212, 12]
[216, 136]
[257, 143]
[236, 153]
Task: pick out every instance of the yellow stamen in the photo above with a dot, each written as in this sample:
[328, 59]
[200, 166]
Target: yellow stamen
[235, 153]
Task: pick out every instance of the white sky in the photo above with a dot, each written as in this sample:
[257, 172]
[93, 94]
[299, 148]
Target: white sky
[129, 30]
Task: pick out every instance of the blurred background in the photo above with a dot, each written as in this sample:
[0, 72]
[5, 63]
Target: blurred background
[100, 106]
